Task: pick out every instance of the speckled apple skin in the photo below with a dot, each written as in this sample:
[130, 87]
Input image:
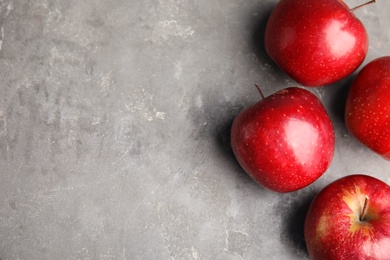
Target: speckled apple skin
[367, 112]
[284, 142]
[315, 42]
[332, 226]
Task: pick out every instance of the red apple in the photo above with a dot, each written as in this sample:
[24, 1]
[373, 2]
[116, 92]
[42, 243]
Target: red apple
[315, 42]
[350, 219]
[285, 141]
[367, 112]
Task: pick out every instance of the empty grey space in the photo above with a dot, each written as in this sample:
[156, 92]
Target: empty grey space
[114, 130]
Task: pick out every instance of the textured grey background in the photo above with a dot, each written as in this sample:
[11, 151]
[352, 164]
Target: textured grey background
[114, 130]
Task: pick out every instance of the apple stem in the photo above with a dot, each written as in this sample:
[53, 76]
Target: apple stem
[364, 210]
[261, 92]
[359, 6]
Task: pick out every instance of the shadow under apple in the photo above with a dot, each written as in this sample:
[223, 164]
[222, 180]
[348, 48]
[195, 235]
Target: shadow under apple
[257, 22]
[293, 219]
[338, 94]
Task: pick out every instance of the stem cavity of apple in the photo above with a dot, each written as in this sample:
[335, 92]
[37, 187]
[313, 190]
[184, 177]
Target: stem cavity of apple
[359, 6]
[364, 210]
[261, 92]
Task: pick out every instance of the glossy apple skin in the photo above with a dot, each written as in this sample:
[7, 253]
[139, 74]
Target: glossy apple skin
[315, 42]
[367, 112]
[332, 226]
[285, 141]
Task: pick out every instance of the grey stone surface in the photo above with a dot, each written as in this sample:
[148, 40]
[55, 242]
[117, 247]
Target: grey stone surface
[114, 123]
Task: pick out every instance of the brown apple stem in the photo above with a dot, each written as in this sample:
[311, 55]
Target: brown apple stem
[261, 92]
[359, 6]
[364, 210]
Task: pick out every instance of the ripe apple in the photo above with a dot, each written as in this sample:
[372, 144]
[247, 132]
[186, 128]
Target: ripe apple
[367, 112]
[315, 42]
[285, 141]
[350, 219]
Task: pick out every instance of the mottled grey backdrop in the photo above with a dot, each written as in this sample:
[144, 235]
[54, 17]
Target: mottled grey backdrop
[114, 130]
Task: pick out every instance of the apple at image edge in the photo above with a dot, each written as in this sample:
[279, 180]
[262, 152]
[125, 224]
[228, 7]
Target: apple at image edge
[315, 42]
[367, 108]
[350, 219]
